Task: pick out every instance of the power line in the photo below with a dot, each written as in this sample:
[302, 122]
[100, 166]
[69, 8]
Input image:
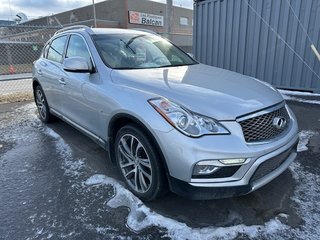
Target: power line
[313, 47]
[284, 41]
[300, 23]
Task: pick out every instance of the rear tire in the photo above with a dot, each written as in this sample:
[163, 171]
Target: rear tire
[139, 163]
[42, 105]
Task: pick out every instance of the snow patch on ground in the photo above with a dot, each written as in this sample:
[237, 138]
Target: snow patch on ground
[52, 133]
[304, 137]
[298, 93]
[142, 217]
[290, 96]
[307, 195]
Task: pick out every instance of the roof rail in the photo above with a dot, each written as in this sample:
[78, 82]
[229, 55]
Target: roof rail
[88, 29]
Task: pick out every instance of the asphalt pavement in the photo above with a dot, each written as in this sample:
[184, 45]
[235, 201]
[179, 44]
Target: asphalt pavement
[15, 86]
[58, 184]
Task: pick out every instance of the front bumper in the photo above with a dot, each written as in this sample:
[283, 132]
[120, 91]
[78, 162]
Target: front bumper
[182, 153]
[258, 176]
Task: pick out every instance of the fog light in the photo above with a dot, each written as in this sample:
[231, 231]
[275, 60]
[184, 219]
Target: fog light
[203, 168]
[234, 161]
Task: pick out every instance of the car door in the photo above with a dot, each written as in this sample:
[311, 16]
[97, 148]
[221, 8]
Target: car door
[79, 91]
[51, 71]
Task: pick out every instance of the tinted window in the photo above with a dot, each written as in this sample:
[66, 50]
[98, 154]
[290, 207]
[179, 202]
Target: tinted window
[77, 48]
[133, 51]
[55, 52]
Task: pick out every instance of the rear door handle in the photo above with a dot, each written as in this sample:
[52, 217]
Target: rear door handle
[62, 81]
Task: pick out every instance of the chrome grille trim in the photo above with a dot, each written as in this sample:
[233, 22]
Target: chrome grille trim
[261, 112]
[258, 127]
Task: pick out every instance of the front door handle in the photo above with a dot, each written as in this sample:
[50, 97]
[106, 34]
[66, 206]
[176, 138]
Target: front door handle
[62, 81]
[43, 63]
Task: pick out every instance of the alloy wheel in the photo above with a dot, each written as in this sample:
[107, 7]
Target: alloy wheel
[41, 104]
[135, 163]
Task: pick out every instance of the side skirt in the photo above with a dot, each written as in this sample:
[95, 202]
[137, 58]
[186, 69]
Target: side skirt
[104, 144]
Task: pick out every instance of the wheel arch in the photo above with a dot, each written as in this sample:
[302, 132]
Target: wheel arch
[122, 119]
[35, 83]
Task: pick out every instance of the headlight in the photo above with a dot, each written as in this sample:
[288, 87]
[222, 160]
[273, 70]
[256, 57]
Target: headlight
[185, 121]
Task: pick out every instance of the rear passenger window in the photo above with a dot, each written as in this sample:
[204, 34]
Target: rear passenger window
[77, 48]
[55, 52]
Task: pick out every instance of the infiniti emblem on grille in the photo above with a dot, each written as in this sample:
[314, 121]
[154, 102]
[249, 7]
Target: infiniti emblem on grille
[279, 122]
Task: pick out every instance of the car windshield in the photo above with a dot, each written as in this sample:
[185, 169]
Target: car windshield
[139, 51]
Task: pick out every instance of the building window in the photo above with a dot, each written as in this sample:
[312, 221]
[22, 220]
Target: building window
[184, 21]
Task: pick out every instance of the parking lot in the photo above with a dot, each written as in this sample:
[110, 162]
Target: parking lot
[58, 184]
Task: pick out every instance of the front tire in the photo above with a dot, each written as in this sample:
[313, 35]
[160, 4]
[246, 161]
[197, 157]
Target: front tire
[42, 105]
[139, 163]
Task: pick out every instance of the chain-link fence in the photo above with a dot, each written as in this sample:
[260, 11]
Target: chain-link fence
[20, 46]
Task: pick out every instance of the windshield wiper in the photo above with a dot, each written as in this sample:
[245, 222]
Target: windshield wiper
[127, 46]
[132, 39]
[176, 65]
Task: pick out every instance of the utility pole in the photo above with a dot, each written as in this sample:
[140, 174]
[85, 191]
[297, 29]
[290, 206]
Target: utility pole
[94, 14]
[168, 18]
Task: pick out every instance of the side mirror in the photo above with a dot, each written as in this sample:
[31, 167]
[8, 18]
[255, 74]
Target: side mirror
[191, 55]
[77, 64]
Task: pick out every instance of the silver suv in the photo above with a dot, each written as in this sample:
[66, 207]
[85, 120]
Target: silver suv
[167, 121]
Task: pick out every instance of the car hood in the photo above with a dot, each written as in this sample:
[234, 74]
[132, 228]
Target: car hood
[211, 91]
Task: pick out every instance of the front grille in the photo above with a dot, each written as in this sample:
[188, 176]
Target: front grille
[261, 128]
[272, 164]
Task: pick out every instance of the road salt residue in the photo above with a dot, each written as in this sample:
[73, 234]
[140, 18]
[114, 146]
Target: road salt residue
[141, 217]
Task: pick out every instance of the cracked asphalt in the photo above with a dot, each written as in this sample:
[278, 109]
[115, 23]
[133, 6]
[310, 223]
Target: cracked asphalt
[47, 190]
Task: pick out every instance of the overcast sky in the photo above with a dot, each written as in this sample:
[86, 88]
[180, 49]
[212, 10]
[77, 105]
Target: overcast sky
[37, 8]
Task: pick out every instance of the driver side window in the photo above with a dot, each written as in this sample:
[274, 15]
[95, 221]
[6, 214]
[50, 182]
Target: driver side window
[78, 48]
